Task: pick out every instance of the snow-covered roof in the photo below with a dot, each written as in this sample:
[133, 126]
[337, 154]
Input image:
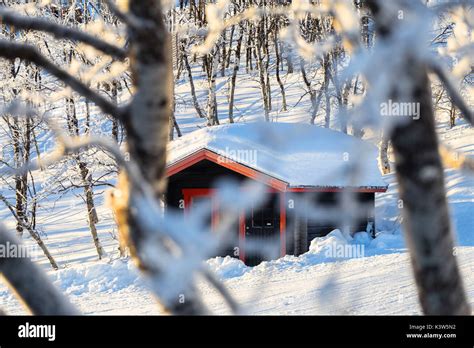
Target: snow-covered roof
[301, 155]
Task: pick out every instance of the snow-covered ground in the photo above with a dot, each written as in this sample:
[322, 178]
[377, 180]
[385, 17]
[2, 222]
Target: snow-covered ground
[309, 284]
[378, 282]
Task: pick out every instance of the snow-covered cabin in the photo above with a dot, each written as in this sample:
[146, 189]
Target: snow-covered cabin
[306, 169]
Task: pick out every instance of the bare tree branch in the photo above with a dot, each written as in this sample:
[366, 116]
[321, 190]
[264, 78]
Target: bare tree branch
[30, 283]
[420, 174]
[129, 19]
[68, 145]
[233, 305]
[11, 50]
[32, 232]
[61, 32]
[456, 98]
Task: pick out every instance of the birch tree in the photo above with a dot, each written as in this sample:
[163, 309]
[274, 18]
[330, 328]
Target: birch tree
[419, 169]
[143, 178]
[322, 33]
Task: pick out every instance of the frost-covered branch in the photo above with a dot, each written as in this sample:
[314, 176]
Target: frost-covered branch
[12, 51]
[217, 284]
[32, 232]
[60, 32]
[30, 283]
[129, 19]
[420, 173]
[152, 249]
[154, 238]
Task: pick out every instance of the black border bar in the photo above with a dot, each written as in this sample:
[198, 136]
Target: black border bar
[242, 330]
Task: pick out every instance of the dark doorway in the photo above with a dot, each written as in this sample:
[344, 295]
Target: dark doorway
[262, 231]
[206, 200]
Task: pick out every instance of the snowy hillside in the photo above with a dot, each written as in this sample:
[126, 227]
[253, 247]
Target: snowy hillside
[317, 79]
[378, 283]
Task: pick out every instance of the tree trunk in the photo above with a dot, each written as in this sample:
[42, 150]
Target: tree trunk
[383, 154]
[280, 83]
[452, 116]
[224, 53]
[262, 80]
[191, 85]
[20, 153]
[234, 74]
[115, 125]
[426, 217]
[147, 136]
[91, 211]
[344, 105]
[326, 67]
[86, 176]
[420, 176]
[315, 100]
[249, 48]
[211, 69]
[289, 60]
[231, 42]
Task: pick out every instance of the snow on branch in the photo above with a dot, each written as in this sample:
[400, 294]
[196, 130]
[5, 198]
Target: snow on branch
[345, 20]
[68, 145]
[152, 251]
[12, 51]
[129, 19]
[60, 32]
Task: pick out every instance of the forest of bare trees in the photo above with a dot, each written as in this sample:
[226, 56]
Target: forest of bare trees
[95, 81]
